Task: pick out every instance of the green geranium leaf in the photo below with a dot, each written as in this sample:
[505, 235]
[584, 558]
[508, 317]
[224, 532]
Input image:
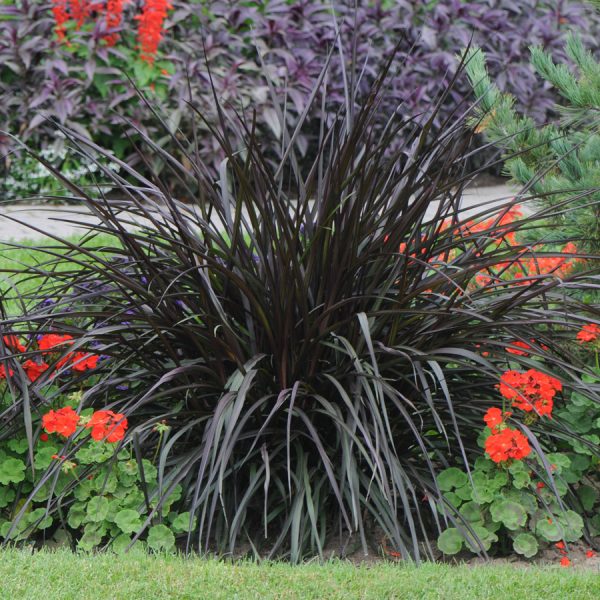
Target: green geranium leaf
[97, 509]
[18, 446]
[450, 541]
[121, 543]
[12, 470]
[482, 538]
[90, 539]
[572, 524]
[150, 472]
[559, 460]
[43, 456]
[465, 492]
[84, 490]
[525, 544]
[451, 478]
[77, 515]
[511, 514]
[181, 523]
[39, 514]
[588, 496]
[7, 495]
[161, 538]
[471, 511]
[521, 480]
[128, 520]
[94, 453]
[548, 529]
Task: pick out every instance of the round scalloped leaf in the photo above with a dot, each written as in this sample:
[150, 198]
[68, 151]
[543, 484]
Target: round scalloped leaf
[465, 492]
[12, 470]
[471, 511]
[572, 524]
[181, 523]
[511, 514]
[43, 456]
[452, 478]
[121, 543]
[482, 539]
[89, 540]
[39, 514]
[161, 538]
[588, 496]
[521, 480]
[499, 480]
[549, 530]
[7, 495]
[127, 520]
[18, 446]
[525, 544]
[77, 515]
[450, 541]
[97, 509]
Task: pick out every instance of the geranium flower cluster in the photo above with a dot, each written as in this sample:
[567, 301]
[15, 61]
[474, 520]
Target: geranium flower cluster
[524, 270]
[49, 347]
[150, 21]
[504, 443]
[588, 334]
[106, 425]
[530, 391]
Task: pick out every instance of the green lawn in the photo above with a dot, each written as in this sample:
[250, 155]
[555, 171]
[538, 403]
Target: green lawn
[66, 576]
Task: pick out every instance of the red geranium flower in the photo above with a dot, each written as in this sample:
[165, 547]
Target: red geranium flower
[590, 554]
[107, 425]
[83, 362]
[588, 333]
[565, 562]
[52, 342]
[34, 369]
[13, 343]
[494, 417]
[506, 444]
[3, 372]
[531, 390]
[43, 437]
[63, 421]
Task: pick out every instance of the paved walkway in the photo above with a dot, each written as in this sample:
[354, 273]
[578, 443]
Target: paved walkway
[20, 221]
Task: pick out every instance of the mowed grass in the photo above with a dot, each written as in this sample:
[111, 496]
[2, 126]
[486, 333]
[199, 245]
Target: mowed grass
[15, 288]
[62, 575]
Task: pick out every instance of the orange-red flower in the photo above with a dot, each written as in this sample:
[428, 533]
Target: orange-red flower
[590, 554]
[588, 333]
[114, 16]
[3, 372]
[13, 343]
[52, 342]
[80, 10]
[63, 421]
[61, 16]
[107, 425]
[150, 27]
[507, 444]
[494, 417]
[33, 369]
[565, 561]
[531, 390]
[82, 361]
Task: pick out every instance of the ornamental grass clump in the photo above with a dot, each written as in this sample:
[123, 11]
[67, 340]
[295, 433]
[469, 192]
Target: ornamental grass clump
[297, 356]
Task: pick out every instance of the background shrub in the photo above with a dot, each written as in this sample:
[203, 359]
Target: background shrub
[257, 51]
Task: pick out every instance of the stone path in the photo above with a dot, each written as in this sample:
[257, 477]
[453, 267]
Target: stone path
[20, 222]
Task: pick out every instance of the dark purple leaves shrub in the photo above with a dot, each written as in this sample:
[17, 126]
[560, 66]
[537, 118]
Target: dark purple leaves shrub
[257, 50]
